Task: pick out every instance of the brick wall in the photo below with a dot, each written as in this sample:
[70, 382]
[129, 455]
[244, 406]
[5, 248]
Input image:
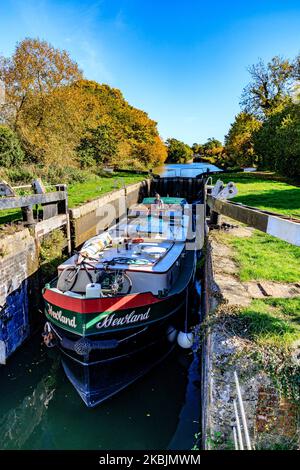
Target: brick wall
[18, 265]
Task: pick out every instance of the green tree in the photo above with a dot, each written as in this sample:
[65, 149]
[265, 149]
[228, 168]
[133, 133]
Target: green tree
[212, 151]
[98, 146]
[239, 146]
[197, 149]
[211, 144]
[11, 152]
[270, 87]
[178, 152]
[277, 142]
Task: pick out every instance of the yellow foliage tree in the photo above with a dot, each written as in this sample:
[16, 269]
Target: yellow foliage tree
[55, 111]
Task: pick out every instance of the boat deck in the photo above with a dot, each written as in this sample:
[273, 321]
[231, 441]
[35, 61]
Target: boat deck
[148, 256]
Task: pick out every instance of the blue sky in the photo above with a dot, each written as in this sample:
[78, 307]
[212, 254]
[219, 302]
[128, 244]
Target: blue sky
[184, 62]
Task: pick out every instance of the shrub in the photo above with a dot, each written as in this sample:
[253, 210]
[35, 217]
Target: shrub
[11, 152]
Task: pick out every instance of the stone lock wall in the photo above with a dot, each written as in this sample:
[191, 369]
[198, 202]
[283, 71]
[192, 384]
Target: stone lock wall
[89, 219]
[19, 261]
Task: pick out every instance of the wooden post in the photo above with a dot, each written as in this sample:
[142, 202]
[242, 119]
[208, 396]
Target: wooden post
[28, 217]
[65, 209]
[215, 218]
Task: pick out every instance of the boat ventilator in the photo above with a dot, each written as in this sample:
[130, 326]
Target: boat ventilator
[84, 345]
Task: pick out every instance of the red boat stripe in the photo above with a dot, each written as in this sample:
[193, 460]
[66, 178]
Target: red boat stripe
[101, 304]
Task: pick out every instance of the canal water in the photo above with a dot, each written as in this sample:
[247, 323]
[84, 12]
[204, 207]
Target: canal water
[187, 170]
[40, 409]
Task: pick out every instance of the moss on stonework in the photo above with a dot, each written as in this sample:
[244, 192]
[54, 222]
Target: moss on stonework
[51, 253]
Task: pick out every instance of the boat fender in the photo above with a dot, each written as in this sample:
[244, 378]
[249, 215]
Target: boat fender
[185, 340]
[171, 333]
[48, 336]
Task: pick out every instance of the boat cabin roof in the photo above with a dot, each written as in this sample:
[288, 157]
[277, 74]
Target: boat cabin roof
[160, 228]
[147, 256]
[166, 211]
[166, 200]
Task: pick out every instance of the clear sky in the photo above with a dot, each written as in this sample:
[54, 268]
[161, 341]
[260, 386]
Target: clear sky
[184, 62]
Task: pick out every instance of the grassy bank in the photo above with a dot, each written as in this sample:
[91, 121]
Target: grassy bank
[83, 186]
[265, 193]
[267, 330]
[94, 187]
[263, 257]
[273, 322]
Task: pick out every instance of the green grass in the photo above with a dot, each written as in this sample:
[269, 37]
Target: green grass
[266, 194]
[263, 257]
[78, 193]
[274, 322]
[96, 186]
[273, 327]
[10, 215]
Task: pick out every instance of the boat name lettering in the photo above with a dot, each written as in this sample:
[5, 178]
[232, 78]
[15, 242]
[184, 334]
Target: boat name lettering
[58, 315]
[131, 317]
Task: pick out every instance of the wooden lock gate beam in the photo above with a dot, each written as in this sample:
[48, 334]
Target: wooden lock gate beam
[280, 226]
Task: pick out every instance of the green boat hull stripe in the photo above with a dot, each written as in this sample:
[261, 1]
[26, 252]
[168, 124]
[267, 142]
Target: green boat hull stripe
[103, 322]
[97, 319]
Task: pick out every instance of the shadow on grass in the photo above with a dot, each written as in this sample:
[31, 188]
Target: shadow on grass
[286, 199]
[275, 319]
[261, 325]
[10, 216]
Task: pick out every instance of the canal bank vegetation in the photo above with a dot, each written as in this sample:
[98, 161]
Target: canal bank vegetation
[271, 330]
[255, 328]
[272, 322]
[263, 257]
[255, 331]
[260, 343]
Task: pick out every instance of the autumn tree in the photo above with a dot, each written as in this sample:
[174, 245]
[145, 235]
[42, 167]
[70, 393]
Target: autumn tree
[35, 69]
[270, 87]
[211, 144]
[63, 119]
[197, 148]
[136, 139]
[99, 145]
[239, 146]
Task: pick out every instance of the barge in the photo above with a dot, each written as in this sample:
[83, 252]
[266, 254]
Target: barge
[118, 305]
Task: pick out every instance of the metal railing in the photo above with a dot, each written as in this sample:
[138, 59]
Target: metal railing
[241, 436]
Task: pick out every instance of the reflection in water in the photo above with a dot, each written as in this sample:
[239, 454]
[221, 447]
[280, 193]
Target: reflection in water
[17, 425]
[41, 410]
